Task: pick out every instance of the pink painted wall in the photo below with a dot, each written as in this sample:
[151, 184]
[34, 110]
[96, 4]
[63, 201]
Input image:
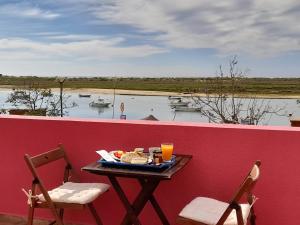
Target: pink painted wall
[222, 155]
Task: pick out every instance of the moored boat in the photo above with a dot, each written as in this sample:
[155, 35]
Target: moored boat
[178, 103]
[84, 96]
[175, 104]
[100, 103]
[174, 97]
[187, 109]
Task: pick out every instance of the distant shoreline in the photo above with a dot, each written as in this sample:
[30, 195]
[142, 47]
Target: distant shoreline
[284, 88]
[153, 93]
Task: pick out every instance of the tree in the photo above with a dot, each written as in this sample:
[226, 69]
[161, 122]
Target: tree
[221, 103]
[38, 100]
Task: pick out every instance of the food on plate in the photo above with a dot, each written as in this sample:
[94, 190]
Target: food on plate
[134, 158]
[139, 160]
[119, 153]
[139, 150]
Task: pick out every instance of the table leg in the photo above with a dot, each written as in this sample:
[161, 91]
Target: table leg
[148, 187]
[141, 200]
[131, 216]
[156, 206]
[145, 195]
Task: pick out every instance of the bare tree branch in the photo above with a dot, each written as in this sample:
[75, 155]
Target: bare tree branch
[221, 103]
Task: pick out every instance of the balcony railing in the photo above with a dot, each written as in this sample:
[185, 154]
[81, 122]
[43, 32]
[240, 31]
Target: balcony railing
[222, 155]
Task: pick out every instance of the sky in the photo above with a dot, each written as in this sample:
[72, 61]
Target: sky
[143, 38]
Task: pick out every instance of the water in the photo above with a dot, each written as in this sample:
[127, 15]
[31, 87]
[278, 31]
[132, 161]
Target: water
[138, 107]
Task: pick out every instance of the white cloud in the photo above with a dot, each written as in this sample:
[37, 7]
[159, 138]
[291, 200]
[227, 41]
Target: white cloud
[90, 49]
[26, 10]
[75, 37]
[262, 28]
[109, 31]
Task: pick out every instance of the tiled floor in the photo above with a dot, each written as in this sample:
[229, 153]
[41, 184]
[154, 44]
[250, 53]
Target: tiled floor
[14, 220]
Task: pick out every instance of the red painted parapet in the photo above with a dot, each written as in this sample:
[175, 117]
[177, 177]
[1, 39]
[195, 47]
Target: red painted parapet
[222, 155]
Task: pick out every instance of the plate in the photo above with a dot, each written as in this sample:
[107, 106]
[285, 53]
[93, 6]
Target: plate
[119, 160]
[113, 155]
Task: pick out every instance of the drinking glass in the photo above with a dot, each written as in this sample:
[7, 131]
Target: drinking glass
[167, 151]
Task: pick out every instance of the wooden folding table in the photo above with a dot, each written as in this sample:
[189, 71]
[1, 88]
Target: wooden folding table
[148, 180]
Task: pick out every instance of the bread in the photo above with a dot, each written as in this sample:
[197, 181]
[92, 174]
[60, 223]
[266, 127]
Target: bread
[134, 157]
[128, 156]
[139, 160]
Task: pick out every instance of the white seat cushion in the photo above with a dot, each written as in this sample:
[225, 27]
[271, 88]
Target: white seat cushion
[80, 193]
[209, 211]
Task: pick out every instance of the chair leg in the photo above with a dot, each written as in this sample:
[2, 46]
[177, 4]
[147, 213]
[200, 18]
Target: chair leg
[94, 213]
[30, 215]
[58, 219]
[252, 216]
[61, 214]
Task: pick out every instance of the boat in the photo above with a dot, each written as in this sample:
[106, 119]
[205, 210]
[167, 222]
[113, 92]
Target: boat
[174, 97]
[178, 103]
[100, 103]
[84, 96]
[175, 104]
[187, 109]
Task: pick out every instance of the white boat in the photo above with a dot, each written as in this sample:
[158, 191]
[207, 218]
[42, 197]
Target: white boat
[187, 109]
[100, 103]
[174, 97]
[175, 104]
[178, 103]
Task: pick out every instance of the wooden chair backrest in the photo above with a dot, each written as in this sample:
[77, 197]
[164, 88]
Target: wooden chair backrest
[245, 188]
[42, 159]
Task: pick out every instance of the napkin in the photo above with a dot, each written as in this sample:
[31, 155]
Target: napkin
[105, 155]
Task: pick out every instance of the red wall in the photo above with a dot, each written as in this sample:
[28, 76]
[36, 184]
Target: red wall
[222, 155]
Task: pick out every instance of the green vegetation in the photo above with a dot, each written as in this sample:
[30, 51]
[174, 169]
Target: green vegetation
[250, 86]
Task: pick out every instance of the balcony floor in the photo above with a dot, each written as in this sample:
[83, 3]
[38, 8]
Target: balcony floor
[15, 220]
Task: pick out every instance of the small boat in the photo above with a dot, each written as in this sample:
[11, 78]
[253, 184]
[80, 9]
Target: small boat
[187, 109]
[178, 103]
[174, 97]
[100, 103]
[84, 96]
[175, 104]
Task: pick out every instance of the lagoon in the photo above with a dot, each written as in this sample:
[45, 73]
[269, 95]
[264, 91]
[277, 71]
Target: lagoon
[137, 107]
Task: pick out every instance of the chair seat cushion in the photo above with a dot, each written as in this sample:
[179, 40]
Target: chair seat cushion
[209, 211]
[80, 193]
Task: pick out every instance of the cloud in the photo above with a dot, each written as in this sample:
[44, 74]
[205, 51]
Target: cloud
[25, 10]
[75, 37]
[261, 28]
[88, 49]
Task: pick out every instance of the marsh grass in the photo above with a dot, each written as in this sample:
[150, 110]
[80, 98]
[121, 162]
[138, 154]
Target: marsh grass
[250, 86]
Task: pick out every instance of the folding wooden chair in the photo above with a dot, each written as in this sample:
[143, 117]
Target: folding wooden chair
[207, 211]
[68, 195]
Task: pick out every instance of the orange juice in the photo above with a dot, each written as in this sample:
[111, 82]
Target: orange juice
[167, 151]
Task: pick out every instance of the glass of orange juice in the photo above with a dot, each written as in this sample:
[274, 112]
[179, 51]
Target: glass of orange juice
[167, 151]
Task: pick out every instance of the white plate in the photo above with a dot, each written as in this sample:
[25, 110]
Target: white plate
[113, 155]
[119, 160]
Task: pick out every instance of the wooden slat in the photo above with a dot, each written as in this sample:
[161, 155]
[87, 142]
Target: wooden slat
[60, 205]
[184, 159]
[47, 157]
